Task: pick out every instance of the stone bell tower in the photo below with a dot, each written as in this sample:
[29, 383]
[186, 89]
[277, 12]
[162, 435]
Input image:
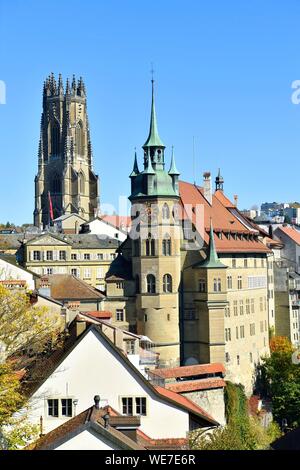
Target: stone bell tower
[65, 167]
[156, 248]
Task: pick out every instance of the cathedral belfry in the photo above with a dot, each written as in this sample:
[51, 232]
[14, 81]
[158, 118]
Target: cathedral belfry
[65, 177]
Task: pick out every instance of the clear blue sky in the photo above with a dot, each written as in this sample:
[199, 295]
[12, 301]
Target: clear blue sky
[223, 74]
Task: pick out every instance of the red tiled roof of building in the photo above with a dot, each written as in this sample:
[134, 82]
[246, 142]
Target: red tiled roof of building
[223, 219]
[99, 313]
[223, 199]
[194, 385]
[68, 287]
[291, 232]
[183, 401]
[186, 371]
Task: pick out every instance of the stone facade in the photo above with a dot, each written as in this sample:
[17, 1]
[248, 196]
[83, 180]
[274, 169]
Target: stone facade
[212, 401]
[65, 168]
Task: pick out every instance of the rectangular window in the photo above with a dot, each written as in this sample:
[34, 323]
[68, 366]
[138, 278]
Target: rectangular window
[227, 358]
[262, 326]
[251, 357]
[53, 407]
[100, 273]
[229, 282]
[237, 332]
[49, 271]
[87, 273]
[62, 255]
[140, 406]
[37, 256]
[233, 262]
[130, 346]
[245, 263]
[257, 282]
[120, 314]
[242, 331]
[49, 255]
[100, 256]
[73, 256]
[227, 334]
[241, 307]
[87, 256]
[247, 306]
[201, 285]
[235, 308]
[240, 283]
[238, 360]
[255, 263]
[252, 329]
[127, 406]
[252, 306]
[261, 305]
[112, 255]
[75, 272]
[66, 407]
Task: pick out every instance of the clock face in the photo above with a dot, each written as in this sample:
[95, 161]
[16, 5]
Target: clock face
[149, 214]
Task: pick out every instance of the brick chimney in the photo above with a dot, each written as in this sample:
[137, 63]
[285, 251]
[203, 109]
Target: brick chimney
[235, 197]
[207, 187]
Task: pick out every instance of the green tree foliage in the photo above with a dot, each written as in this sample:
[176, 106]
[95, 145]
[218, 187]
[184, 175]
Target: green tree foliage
[281, 381]
[242, 432]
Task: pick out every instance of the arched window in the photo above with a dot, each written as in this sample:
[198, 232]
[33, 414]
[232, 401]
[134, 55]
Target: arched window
[167, 283]
[151, 288]
[79, 139]
[165, 211]
[150, 246]
[137, 284]
[55, 135]
[55, 184]
[217, 284]
[166, 245]
[81, 183]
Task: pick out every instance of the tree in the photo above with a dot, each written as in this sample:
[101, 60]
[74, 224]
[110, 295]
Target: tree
[280, 380]
[23, 328]
[242, 432]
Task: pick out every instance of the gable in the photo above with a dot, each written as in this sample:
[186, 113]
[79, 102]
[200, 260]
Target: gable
[47, 239]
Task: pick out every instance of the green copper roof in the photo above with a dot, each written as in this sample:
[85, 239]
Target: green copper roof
[153, 138]
[173, 170]
[135, 170]
[212, 260]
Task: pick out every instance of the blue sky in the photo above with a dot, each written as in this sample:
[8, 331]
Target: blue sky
[223, 74]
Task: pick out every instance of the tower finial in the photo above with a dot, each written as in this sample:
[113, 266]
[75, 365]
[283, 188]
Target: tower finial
[173, 170]
[153, 139]
[219, 181]
[135, 170]
[212, 260]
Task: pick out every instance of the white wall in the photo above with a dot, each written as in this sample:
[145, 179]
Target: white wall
[94, 369]
[87, 440]
[99, 227]
[9, 271]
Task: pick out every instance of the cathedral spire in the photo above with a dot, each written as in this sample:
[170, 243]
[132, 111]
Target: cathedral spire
[153, 139]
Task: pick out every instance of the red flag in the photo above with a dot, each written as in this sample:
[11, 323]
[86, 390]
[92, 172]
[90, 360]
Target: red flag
[50, 206]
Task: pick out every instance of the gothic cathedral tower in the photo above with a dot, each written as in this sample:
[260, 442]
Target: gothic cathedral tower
[155, 239]
[65, 167]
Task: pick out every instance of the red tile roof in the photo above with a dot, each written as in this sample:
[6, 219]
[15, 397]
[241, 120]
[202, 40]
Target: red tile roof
[68, 287]
[292, 233]
[186, 371]
[222, 218]
[183, 401]
[195, 385]
[99, 314]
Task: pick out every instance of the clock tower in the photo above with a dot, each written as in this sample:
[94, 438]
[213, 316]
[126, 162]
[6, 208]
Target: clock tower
[155, 238]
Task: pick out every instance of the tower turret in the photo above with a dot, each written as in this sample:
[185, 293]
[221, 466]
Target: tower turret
[219, 181]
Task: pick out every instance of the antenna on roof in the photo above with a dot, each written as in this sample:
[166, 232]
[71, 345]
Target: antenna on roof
[194, 173]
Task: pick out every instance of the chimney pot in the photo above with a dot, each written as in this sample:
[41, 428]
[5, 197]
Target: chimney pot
[97, 401]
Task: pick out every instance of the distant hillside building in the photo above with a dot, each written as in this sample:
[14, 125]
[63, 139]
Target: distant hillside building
[65, 160]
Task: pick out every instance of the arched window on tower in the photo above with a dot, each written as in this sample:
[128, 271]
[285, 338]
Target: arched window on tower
[81, 182]
[167, 283]
[55, 137]
[150, 246]
[165, 211]
[79, 139]
[55, 184]
[151, 288]
[166, 245]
